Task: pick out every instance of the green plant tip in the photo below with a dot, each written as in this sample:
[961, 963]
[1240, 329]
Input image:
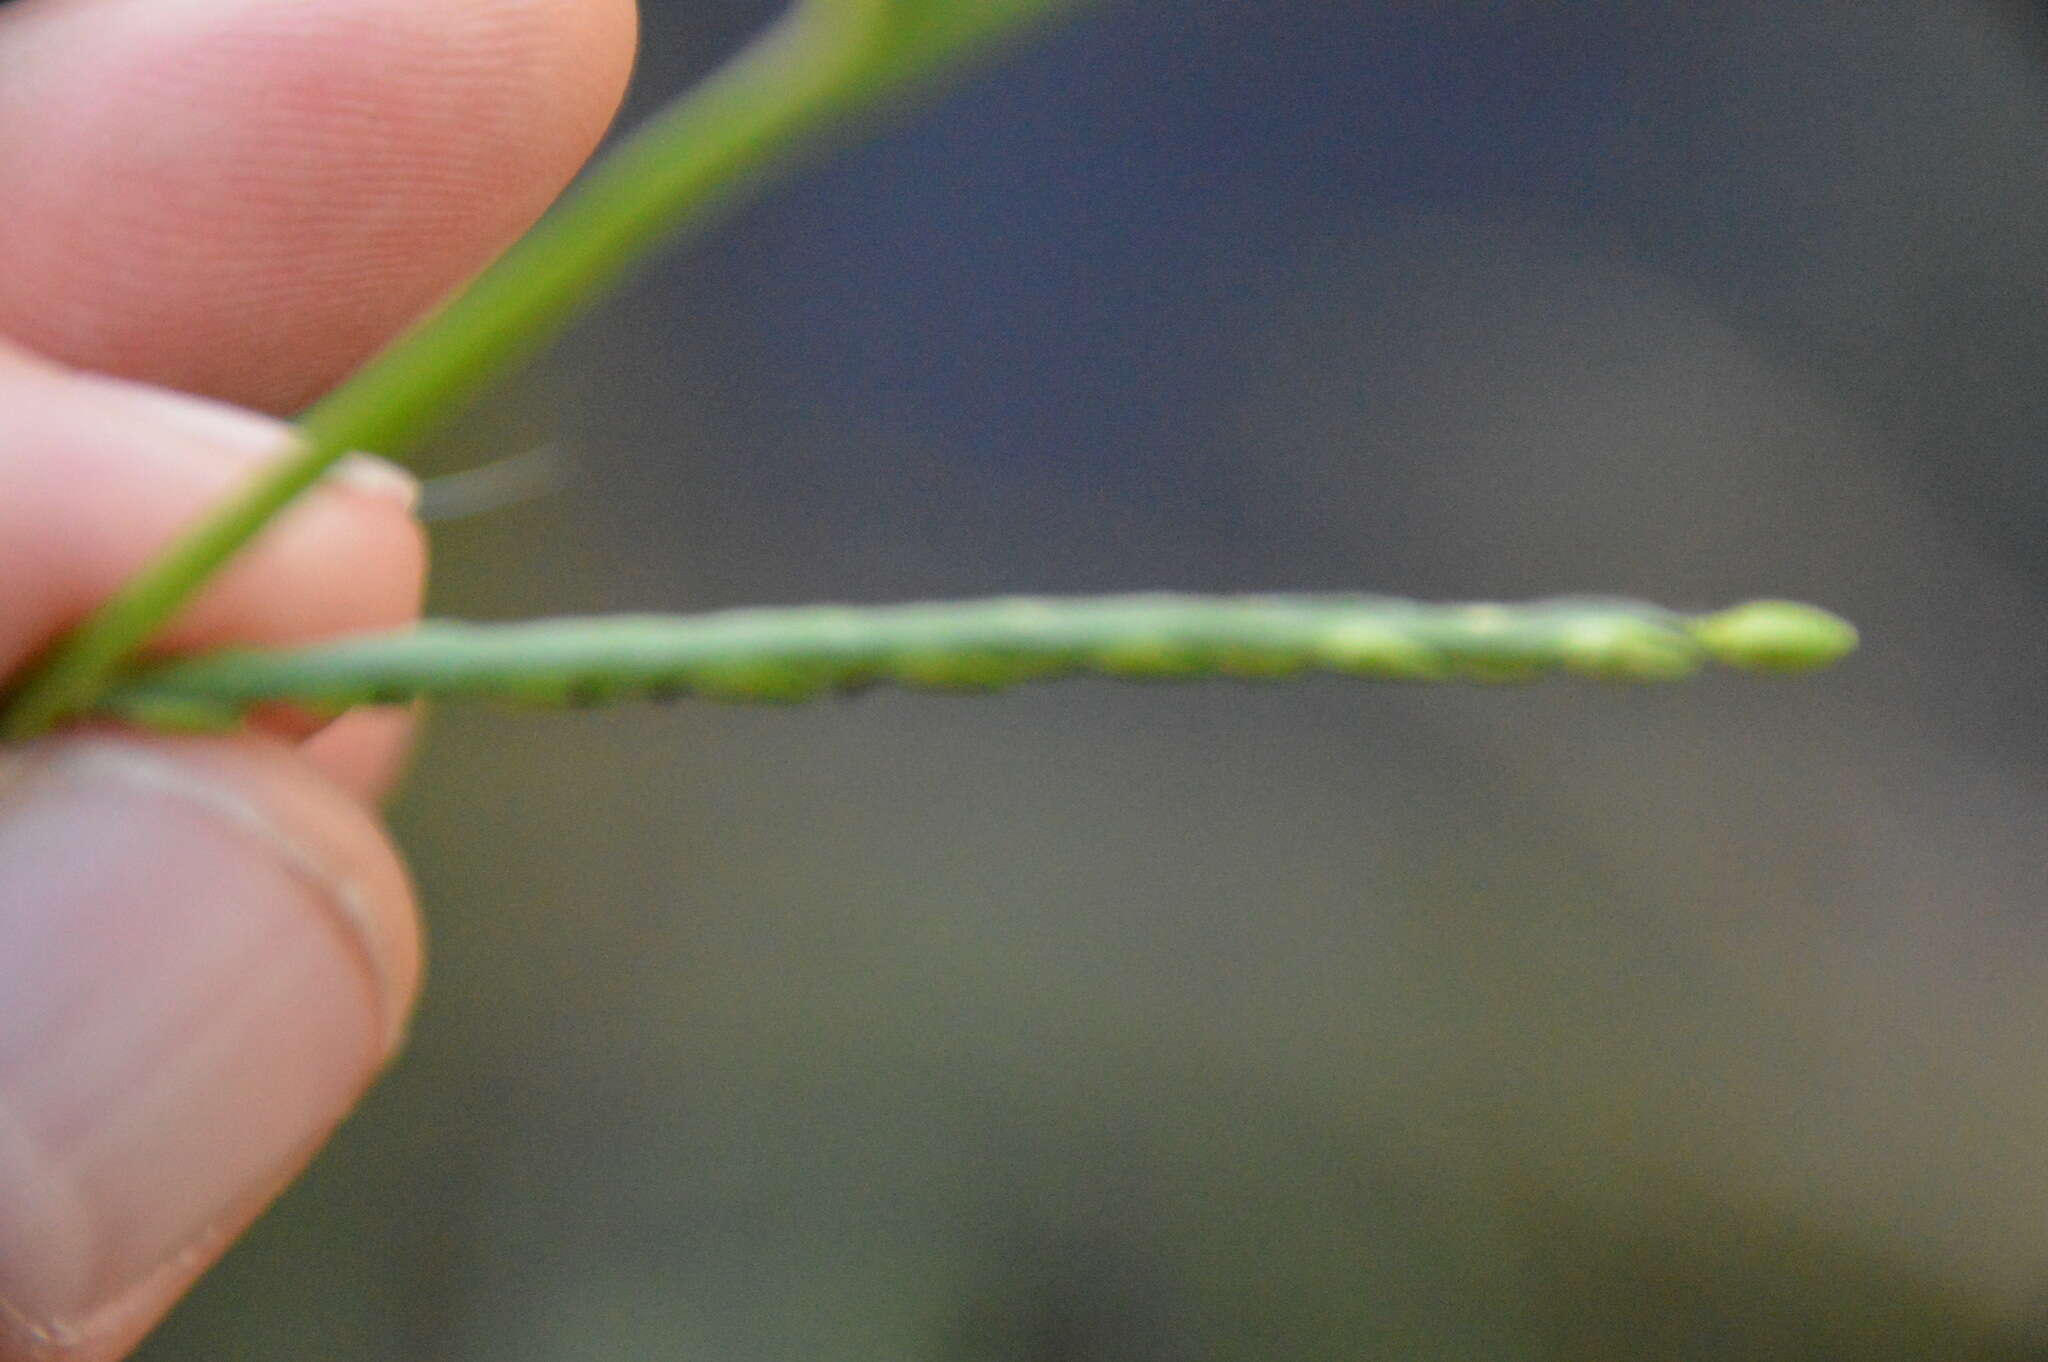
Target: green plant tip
[1776, 636]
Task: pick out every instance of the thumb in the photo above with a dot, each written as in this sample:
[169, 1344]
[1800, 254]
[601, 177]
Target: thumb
[206, 952]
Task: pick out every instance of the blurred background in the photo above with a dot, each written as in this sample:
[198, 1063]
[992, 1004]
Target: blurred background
[1093, 1024]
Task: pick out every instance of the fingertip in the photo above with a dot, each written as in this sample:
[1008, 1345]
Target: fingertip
[364, 751]
[100, 475]
[247, 197]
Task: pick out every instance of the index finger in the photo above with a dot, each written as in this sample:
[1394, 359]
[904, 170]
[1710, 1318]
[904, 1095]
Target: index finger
[244, 198]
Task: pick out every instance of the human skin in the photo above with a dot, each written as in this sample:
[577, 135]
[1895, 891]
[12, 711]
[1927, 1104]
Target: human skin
[214, 209]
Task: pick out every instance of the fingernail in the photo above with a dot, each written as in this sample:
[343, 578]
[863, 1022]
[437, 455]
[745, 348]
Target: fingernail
[251, 433]
[188, 1002]
[377, 477]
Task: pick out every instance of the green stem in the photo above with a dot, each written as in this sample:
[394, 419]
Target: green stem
[797, 652]
[824, 59]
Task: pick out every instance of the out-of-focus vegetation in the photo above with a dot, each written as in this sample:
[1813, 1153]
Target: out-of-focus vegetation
[1307, 1023]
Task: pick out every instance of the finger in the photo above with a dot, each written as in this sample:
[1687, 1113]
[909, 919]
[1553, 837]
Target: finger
[243, 198]
[364, 750]
[98, 475]
[206, 953]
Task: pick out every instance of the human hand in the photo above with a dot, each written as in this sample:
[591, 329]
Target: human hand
[207, 947]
